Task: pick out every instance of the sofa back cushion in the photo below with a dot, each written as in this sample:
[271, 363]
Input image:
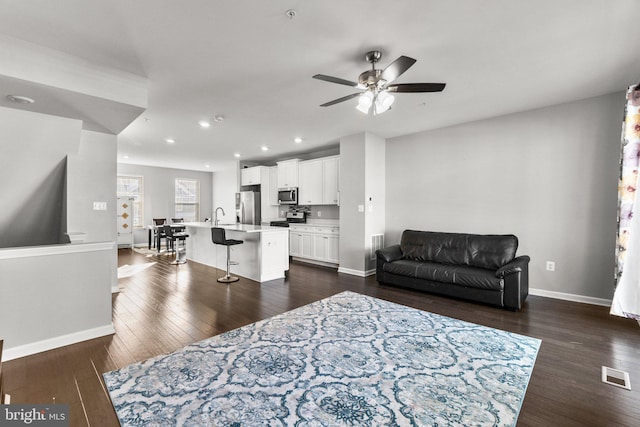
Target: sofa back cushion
[484, 251]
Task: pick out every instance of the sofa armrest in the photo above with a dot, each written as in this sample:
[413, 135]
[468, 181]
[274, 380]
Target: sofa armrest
[390, 253]
[514, 266]
[516, 282]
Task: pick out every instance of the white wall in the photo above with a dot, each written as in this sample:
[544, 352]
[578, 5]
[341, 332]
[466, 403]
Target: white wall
[375, 194]
[549, 176]
[32, 169]
[159, 193]
[362, 174]
[225, 186]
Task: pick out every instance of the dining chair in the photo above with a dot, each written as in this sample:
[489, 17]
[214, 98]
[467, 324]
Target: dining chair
[159, 233]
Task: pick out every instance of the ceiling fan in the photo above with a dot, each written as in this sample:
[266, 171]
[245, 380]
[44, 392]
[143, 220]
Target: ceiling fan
[376, 84]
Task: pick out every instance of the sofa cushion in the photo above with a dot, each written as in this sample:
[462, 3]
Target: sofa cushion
[471, 277]
[484, 251]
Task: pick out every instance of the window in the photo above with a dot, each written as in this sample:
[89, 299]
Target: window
[187, 199]
[131, 186]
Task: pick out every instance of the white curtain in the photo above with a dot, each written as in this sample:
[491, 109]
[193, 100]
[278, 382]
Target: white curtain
[626, 299]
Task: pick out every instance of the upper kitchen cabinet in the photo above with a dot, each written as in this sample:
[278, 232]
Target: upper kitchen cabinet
[318, 181]
[331, 179]
[251, 176]
[310, 182]
[288, 173]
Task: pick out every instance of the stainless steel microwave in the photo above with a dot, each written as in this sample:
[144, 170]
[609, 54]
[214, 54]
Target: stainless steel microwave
[288, 196]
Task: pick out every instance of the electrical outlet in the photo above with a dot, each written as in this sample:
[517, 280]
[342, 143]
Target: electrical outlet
[99, 206]
[360, 208]
[551, 266]
[319, 213]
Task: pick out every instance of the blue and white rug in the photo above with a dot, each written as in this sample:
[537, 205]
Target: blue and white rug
[347, 360]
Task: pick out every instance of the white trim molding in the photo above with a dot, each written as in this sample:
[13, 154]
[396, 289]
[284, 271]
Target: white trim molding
[570, 297]
[359, 273]
[56, 342]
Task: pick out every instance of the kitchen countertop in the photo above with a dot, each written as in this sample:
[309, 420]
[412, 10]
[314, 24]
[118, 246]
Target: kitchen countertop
[245, 228]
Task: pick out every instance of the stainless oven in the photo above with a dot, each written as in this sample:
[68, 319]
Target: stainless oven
[288, 196]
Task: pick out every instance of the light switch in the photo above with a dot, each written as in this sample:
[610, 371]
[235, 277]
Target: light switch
[99, 206]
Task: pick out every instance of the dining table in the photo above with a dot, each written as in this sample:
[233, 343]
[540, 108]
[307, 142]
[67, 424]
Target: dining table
[155, 235]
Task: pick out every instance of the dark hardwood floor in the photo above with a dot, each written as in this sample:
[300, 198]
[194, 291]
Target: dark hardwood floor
[166, 307]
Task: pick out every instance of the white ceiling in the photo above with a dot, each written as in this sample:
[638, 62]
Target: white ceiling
[247, 61]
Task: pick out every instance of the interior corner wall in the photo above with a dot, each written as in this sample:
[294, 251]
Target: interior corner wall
[91, 176]
[549, 176]
[352, 194]
[34, 151]
[159, 193]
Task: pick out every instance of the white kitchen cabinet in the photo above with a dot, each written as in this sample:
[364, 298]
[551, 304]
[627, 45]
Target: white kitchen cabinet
[331, 180]
[273, 186]
[318, 181]
[288, 173]
[315, 243]
[333, 249]
[251, 176]
[310, 182]
[295, 243]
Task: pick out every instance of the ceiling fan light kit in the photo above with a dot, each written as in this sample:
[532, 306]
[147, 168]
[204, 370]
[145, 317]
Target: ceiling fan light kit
[375, 84]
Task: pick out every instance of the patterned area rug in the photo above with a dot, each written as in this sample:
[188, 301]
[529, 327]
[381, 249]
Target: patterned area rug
[347, 360]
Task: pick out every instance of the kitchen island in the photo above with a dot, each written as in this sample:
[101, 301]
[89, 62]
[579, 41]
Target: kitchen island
[263, 256]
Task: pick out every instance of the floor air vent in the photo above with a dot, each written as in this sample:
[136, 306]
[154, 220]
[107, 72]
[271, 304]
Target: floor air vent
[377, 242]
[616, 377]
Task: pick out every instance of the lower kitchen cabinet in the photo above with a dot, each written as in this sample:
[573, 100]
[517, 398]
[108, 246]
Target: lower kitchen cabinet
[316, 243]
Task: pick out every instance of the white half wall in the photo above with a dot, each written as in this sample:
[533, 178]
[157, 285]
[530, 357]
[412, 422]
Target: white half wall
[549, 176]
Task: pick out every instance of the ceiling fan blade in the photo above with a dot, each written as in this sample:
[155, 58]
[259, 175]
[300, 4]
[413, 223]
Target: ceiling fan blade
[396, 68]
[417, 87]
[335, 80]
[344, 98]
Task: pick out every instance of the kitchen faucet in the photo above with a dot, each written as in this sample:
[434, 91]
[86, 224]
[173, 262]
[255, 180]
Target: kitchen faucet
[215, 216]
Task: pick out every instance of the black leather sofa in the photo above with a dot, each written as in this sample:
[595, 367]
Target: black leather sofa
[481, 268]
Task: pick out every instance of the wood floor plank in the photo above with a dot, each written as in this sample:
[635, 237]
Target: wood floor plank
[165, 307]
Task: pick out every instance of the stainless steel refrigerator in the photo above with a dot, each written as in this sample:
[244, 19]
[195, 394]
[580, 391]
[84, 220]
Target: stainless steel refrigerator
[248, 207]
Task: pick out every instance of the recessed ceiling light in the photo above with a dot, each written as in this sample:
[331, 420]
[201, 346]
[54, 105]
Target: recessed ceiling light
[264, 148]
[218, 119]
[297, 140]
[20, 99]
[204, 124]
[207, 165]
[170, 140]
[236, 155]
[125, 156]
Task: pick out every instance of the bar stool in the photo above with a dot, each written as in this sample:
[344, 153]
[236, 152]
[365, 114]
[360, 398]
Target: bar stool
[218, 237]
[173, 237]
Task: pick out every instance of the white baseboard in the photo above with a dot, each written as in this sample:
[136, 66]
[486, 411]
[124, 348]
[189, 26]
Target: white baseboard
[570, 297]
[359, 273]
[56, 342]
[315, 262]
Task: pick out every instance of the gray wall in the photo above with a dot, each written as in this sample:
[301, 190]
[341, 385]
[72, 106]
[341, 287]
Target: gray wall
[549, 176]
[159, 193]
